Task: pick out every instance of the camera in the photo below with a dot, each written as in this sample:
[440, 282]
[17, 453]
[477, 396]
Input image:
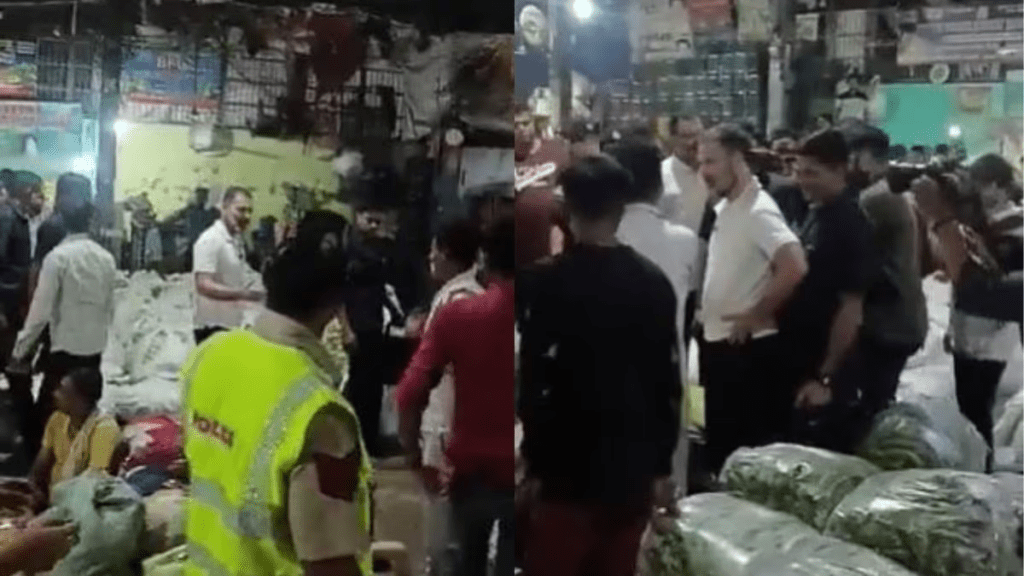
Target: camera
[901, 176]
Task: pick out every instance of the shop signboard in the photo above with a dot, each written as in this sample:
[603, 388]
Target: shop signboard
[961, 34]
[17, 69]
[42, 137]
[660, 31]
[707, 16]
[153, 79]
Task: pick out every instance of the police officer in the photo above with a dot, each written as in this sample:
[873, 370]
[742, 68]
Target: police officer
[280, 476]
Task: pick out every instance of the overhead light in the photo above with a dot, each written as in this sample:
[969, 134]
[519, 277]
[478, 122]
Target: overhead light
[121, 127]
[83, 165]
[583, 9]
[954, 132]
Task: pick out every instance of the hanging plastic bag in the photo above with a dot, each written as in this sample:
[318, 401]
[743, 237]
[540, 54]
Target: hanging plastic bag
[925, 432]
[805, 482]
[934, 522]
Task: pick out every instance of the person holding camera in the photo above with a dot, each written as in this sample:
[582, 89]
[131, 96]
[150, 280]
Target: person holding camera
[895, 314]
[986, 288]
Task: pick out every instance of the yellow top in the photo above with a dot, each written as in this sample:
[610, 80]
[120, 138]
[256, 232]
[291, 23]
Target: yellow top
[94, 454]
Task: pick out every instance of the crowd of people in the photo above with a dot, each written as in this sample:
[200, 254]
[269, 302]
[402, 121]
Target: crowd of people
[793, 270]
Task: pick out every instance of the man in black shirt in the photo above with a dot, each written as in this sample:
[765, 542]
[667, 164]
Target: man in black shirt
[601, 388]
[823, 319]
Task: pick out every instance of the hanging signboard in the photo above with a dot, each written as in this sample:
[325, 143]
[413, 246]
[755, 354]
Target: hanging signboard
[42, 137]
[17, 69]
[961, 34]
[154, 79]
[660, 31]
[710, 15]
[756, 20]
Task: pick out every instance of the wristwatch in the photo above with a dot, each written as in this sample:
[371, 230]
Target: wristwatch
[825, 380]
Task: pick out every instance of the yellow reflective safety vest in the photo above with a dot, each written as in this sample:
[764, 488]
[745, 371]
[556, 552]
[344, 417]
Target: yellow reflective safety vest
[247, 405]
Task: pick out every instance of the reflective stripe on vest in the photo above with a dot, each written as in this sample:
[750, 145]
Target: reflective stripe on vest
[254, 519]
[201, 557]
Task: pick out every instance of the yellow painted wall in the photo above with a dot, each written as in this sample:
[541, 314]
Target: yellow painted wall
[157, 159]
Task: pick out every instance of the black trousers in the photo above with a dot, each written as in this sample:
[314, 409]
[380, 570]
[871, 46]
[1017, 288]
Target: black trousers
[365, 388]
[748, 396]
[977, 382]
[877, 371]
[203, 334]
[863, 385]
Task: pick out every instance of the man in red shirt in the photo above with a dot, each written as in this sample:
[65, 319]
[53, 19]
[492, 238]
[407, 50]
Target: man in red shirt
[537, 208]
[475, 336]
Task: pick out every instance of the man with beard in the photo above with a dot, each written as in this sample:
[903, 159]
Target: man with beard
[537, 208]
[374, 307]
[224, 281]
[822, 323]
[895, 315]
[686, 194]
[755, 263]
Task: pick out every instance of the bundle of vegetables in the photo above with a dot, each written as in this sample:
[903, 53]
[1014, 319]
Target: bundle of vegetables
[1012, 487]
[805, 482]
[925, 432]
[935, 522]
[1008, 436]
[720, 535]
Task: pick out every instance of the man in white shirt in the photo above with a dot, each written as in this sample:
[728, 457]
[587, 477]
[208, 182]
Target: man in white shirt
[755, 262]
[75, 298]
[686, 194]
[224, 281]
[672, 247]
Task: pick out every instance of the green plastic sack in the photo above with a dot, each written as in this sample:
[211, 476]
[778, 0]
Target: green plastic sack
[1012, 488]
[110, 517]
[924, 432]
[934, 522]
[170, 563]
[805, 482]
[721, 535]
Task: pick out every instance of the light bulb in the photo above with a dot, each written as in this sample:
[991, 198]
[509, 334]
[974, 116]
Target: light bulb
[583, 9]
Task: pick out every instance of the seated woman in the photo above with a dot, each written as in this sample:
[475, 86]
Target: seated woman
[77, 437]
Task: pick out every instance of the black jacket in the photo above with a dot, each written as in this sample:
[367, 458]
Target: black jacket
[15, 260]
[600, 396]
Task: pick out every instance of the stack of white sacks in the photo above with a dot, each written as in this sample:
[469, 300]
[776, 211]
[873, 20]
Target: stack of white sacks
[150, 339]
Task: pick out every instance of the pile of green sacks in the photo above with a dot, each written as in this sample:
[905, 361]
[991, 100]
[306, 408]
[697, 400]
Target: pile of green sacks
[925, 432]
[935, 522]
[803, 481]
[721, 535]
[794, 510]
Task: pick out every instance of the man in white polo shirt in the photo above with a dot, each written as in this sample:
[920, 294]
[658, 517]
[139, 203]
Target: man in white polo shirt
[224, 280]
[755, 263]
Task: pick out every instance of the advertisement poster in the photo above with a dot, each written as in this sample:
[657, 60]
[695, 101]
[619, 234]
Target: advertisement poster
[961, 34]
[756, 20]
[17, 69]
[42, 137]
[660, 31]
[532, 49]
[710, 15]
[151, 80]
